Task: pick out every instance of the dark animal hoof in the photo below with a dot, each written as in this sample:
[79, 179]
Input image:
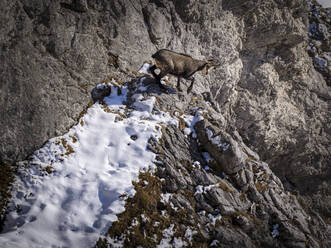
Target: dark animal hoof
[163, 89]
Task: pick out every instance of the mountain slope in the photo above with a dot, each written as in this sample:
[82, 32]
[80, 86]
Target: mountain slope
[69, 190]
[271, 92]
[205, 180]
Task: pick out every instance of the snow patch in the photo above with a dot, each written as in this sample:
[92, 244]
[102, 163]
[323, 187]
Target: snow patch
[214, 243]
[207, 157]
[134, 222]
[200, 189]
[215, 139]
[168, 241]
[189, 234]
[196, 165]
[191, 121]
[178, 242]
[142, 104]
[165, 197]
[321, 63]
[275, 231]
[214, 218]
[202, 212]
[145, 68]
[225, 146]
[144, 218]
[166, 237]
[76, 203]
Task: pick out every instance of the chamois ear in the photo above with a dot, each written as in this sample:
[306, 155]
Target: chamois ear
[204, 70]
[213, 63]
[208, 65]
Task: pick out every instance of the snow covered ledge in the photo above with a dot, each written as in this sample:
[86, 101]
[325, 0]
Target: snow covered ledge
[68, 194]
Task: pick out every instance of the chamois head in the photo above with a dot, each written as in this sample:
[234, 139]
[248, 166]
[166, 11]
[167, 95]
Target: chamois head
[208, 64]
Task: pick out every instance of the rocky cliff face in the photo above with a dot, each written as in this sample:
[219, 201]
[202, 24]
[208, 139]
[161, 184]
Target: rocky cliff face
[272, 90]
[209, 189]
[281, 104]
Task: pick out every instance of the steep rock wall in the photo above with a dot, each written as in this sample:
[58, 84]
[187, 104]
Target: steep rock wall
[281, 104]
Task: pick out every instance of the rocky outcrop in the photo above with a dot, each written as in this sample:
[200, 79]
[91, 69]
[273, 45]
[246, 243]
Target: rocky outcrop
[267, 89]
[209, 182]
[280, 105]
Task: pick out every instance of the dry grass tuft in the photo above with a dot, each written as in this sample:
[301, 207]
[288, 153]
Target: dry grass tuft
[241, 213]
[67, 147]
[74, 139]
[225, 187]
[226, 221]
[243, 196]
[49, 169]
[147, 202]
[260, 186]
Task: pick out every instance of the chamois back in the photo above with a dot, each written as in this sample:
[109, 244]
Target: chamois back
[178, 64]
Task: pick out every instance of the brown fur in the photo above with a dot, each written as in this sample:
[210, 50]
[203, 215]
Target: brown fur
[178, 64]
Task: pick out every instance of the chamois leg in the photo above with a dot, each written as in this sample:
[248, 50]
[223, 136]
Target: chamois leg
[178, 84]
[163, 73]
[189, 89]
[160, 76]
[152, 70]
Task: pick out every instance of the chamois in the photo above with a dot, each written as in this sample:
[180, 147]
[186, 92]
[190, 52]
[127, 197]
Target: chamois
[178, 64]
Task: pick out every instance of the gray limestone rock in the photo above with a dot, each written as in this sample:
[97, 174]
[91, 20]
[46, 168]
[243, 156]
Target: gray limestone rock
[223, 148]
[251, 202]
